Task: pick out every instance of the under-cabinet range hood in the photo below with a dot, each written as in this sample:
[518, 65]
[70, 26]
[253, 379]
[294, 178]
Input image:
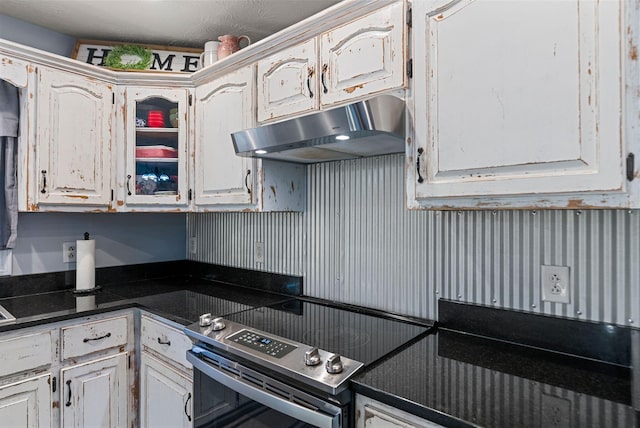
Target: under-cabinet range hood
[366, 128]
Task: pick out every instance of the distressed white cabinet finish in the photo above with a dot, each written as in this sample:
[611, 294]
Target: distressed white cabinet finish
[374, 414]
[157, 177]
[287, 82]
[95, 393]
[25, 352]
[351, 62]
[165, 394]
[26, 403]
[73, 140]
[87, 338]
[363, 57]
[223, 106]
[521, 104]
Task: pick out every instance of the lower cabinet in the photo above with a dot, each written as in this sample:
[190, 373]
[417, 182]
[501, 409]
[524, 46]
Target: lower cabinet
[26, 403]
[166, 394]
[374, 414]
[95, 393]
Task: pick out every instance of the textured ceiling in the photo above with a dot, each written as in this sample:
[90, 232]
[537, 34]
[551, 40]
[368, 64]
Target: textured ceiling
[186, 23]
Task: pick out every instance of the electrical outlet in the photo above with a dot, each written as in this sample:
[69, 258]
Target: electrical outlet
[193, 244]
[68, 252]
[554, 282]
[258, 252]
[555, 411]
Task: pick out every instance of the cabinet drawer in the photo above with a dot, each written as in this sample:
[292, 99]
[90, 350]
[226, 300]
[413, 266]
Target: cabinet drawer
[167, 341]
[25, 353]
[96, 336]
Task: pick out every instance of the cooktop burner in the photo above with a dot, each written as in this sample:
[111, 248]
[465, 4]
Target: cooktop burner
[360, 337]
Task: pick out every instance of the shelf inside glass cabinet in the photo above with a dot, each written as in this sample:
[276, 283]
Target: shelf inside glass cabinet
[156, 152]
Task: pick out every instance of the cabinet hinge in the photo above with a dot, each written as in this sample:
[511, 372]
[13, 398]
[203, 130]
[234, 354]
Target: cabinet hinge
[129, 358]
[54, 384]
[410, 68]
[409, 17]
[190, 99]
[631, 167]
[113, 98]
[112, 195]
[190, 196]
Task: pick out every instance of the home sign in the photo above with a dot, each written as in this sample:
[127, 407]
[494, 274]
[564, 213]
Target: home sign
[154, 57]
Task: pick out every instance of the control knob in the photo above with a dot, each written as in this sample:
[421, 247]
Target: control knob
[205, 320]
[218, 324]
[334, 364]
[312, 357]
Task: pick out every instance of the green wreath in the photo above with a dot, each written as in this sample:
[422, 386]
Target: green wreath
[114, 58]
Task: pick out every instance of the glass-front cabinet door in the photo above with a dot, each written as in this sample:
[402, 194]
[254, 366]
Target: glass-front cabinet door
[156, 157]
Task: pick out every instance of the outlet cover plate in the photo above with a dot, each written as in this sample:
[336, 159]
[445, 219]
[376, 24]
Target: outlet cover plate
[68, 252]
[258, 252]
[554, 284]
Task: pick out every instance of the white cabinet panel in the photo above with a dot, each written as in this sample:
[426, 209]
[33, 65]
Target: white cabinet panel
[94, 394]
[26, 352]
[363, 57]
[223, 106]
[516, 99]
[374, 414]
[167, 341]
[73, 151]
[287, 82]
[83, 339]
[26, 403]
[166, 395]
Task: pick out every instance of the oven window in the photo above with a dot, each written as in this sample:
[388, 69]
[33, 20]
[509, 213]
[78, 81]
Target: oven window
[218, 406]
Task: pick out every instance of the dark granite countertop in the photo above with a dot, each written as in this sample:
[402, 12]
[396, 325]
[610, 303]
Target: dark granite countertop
[456, 379]
[178, 299]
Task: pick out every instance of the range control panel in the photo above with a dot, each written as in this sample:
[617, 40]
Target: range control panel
[261, 343]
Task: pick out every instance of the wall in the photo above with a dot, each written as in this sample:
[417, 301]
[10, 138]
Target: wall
[121, 239]
[358, 244]
[22, 32]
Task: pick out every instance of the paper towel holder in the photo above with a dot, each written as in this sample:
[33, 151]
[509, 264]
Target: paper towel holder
[95, 288]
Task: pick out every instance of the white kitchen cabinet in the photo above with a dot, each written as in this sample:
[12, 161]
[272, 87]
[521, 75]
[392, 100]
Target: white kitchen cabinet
[521, 104]
[223, 106]
[156, 147]
[374, 414]
[287, 82]
[26, 403]
[351, 62]
[166, 394]
[73, 141]
[363, 57]
[95, 393]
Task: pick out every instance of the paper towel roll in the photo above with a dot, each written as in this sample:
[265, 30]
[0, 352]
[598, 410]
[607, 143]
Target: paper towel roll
[86, 264]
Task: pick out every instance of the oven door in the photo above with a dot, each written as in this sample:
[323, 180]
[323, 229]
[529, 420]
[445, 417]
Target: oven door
[228, 394]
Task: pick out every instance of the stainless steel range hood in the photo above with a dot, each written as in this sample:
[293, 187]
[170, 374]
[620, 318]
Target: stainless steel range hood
[366, 128]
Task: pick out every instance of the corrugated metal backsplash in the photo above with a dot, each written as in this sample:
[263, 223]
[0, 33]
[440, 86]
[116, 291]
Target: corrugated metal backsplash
[358, 244]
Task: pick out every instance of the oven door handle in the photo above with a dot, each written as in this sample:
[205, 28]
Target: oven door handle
[264, 397]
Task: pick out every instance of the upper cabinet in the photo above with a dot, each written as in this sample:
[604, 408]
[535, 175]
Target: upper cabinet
[364, 57]
[223, 106]
[350, 62]
[519, 105]
[287, 82]
[73, 134]
[156, 147]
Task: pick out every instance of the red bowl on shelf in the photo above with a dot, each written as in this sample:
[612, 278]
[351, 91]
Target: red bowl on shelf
[155, 119]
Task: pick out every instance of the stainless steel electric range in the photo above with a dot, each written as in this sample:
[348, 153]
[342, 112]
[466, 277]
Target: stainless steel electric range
[286, 365]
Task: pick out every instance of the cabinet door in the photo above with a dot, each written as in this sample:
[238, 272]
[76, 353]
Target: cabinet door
[287, 82]
[95, 393]
[165, 395]
[156, 152]
[74, 118]
[516, 99]
[223, 106]
[26, 403]
[363, 57]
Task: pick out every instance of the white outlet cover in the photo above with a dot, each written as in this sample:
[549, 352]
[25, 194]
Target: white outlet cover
[258, 252]
[555, 278]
